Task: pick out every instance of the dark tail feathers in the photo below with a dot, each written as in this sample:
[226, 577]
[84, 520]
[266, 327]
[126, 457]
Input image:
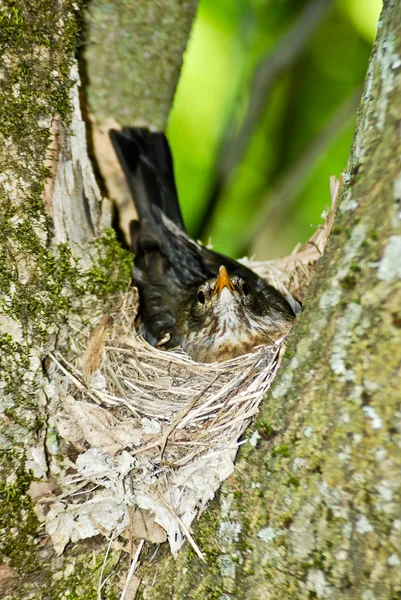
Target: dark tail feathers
[148, 166]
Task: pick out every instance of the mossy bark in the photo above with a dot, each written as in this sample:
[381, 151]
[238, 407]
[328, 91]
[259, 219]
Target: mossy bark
[60, 269]
[315, 510]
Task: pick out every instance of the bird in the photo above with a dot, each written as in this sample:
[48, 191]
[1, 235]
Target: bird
[192, 297]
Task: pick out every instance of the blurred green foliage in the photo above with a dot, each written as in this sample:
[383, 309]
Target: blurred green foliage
[303, 137]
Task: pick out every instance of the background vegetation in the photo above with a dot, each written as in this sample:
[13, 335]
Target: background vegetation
[311, 59]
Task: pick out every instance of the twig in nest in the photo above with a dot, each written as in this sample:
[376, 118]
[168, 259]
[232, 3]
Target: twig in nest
[132, 569]
[95, 347]
[76, 381]
[183, 414]
[102, 582]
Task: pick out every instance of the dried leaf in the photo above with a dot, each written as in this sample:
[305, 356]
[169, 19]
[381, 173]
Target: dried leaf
[41, 489]
[8, 580]
[100, 515]
[144, 527]
[79, 421]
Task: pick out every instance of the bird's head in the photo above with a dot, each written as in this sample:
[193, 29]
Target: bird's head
[230, 316]
[222, 298]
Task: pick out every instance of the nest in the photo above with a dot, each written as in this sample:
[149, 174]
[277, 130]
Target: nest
[152, 429]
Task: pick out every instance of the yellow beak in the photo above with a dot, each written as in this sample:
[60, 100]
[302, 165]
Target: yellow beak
[223, 281]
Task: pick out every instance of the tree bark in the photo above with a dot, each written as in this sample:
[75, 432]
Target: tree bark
[61, 267]
[134, 80]
[315, 510]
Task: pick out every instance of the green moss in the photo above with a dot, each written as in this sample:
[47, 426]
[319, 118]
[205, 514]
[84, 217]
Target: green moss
[35, 88]
[319, 560]
[207, 535]
[293, 481]
[12, 20]
[265, 430]
[18, 522]
[303, 569]
[83, 581]
[282, 450]
[57, 284]
[348, 282]
[288, 519]
[112, 271]
[32, 86]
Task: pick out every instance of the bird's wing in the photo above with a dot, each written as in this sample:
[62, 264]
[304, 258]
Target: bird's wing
[148, 166]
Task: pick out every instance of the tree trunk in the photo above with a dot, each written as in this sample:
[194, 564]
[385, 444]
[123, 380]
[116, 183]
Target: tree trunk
[315, 509]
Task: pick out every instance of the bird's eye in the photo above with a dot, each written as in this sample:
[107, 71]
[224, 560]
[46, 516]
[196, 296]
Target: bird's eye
[201, 297]
[245, 289]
